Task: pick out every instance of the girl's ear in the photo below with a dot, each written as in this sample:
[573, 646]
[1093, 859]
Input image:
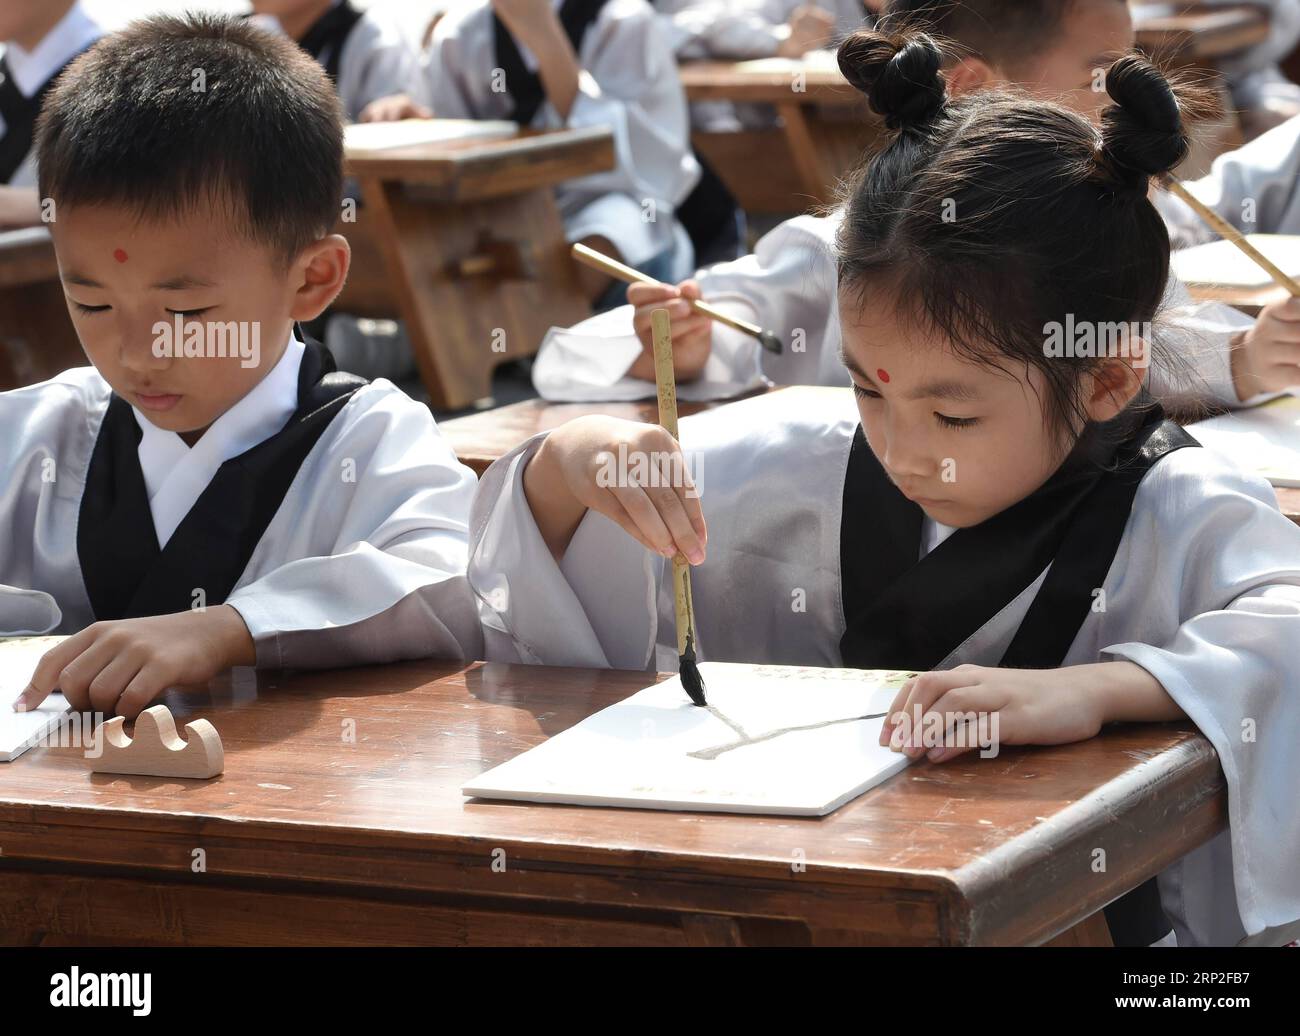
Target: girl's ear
[1113, 384]
[968, 75]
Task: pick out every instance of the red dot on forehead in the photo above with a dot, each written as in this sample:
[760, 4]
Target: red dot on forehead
[120, 255]
[882, 374]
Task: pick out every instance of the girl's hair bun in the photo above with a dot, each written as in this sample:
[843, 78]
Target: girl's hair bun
[1143, 134]
[899, 75]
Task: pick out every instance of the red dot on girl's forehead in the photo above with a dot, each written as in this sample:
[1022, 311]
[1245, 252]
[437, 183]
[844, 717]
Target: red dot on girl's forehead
[882, 374]
[120, 255]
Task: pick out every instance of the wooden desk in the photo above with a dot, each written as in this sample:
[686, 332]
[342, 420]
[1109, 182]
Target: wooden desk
[37, 340]
[825, 127]
[309, 838]
[473, 252]
[1200, 34]
[479, 439]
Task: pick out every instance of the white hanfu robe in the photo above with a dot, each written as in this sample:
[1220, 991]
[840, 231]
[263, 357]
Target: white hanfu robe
[788, 285]
[363, 561]
[628, 82]
[1203, 592]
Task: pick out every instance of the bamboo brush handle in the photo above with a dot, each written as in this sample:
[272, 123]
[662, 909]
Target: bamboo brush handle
[1230, 233]
[597, 261]
[666, 386]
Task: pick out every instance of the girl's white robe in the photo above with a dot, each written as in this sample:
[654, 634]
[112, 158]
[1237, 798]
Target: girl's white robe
[1204, 593]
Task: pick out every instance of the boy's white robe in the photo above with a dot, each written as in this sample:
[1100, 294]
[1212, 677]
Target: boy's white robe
[364, 560]
[788, 285]
[628, 83]
[1204, 593]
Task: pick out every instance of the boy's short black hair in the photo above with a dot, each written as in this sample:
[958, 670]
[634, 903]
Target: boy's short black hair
[173, 110]
[1005, 32]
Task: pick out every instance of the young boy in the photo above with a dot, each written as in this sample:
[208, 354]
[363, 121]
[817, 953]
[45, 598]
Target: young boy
[366, 56]
[40, 38]
[1052, 48]
[211, 492]
[579, 63]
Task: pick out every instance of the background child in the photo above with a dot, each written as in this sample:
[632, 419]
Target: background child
[211, 493]
[1029, 484]
[39, 38]
[366, 56]
[606, 64]
[1051, 47]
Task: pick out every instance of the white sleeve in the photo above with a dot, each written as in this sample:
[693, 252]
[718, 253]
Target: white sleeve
[1227, 597]
[47, 437]
[1254, 188]
[368, 565]
[737, 29]
[444, 82]
[595, 609]
[378, 60]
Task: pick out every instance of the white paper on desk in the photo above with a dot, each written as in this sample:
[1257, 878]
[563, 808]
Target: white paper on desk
[383, 136]
[19, 731]
[638, 753]
[1223, 264]
[1263, 439]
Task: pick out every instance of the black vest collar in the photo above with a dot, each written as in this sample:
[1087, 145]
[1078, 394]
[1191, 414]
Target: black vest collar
[525, 87]
[325, 38]
[125, 572]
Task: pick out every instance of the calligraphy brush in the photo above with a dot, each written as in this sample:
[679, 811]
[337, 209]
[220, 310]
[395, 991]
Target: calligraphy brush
[1230, 233]
[683, 606]
[590, 257]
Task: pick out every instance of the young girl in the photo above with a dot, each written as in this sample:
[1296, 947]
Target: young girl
[1013, 518]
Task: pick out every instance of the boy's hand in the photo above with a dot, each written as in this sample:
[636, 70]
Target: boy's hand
[393, 108]
[631, 472]
[810, 28]
[692, 331]
[123, 666]
[1267, 357]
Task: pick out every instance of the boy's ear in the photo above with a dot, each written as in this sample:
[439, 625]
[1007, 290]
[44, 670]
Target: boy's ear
[320, 270]
[1116, 382]
[970, 74]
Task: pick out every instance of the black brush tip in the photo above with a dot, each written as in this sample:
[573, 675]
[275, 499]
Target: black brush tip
[691, 678]
[771, 343]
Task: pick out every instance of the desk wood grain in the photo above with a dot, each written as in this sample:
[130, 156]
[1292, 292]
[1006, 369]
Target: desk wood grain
[339, 819]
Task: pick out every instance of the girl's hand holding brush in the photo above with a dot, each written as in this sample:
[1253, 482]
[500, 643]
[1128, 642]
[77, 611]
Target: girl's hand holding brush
[630, 472]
